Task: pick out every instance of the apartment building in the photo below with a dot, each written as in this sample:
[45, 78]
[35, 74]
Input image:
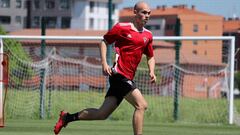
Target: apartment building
[74, 14]
[93, 14]
[193, 23]
[13, 14]
[57, 13]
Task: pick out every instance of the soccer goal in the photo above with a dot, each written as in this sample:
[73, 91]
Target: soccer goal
[195, 78]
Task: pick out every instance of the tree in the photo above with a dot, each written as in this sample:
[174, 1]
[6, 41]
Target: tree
[15, 52]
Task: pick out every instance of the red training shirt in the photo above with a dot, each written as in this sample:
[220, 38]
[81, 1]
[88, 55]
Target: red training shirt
[129, 46]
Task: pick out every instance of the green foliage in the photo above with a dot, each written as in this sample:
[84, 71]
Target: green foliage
[2, 31]
[15, 51]
[237, 80]
[14, 47]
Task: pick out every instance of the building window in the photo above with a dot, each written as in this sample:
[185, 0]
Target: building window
[195, 42]
[205, 52]
[5, 19]
[106, 9]
[153, 27]
[36, 21]
[36, 4]
[194, 52]
[206, 27]
[66, 21]
[98, 6]
[224, 52]
[25, 4]
[170, 27]
[195, 28]
[91, 24]
[51, 22]
[5, 3]
[91, 4]
[25, 22]
[18, 3]
[50, 4]
[64, 4]
[18, 19]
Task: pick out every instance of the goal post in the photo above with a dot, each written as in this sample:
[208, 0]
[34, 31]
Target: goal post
[76, 79]
[3, 82]
[1, 85]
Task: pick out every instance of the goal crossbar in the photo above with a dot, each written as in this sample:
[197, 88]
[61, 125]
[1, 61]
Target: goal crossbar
[99, 37]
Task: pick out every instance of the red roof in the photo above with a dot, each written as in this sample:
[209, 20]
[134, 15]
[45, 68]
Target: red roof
[231, 26]
[163, 10]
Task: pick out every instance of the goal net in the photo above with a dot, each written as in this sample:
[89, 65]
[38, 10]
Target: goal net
[194, 83]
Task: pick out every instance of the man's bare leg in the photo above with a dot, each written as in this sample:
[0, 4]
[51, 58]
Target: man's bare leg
[137, 100]
[108, 106]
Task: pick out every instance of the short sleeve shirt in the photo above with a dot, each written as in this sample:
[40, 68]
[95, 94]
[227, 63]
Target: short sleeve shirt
[129, 46]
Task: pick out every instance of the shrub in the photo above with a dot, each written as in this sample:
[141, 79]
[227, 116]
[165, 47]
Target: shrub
[15, 51]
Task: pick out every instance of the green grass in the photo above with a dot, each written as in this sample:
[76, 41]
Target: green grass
[25, 105]
[108, 127]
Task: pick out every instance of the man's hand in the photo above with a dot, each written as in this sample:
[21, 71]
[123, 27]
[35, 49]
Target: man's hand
[106, 69]
[152, 77]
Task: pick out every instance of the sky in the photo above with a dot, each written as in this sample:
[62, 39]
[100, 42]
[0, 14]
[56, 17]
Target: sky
[225, 8]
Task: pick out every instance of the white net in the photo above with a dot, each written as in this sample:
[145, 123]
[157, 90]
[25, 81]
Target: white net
[196, 90]
[53, 84]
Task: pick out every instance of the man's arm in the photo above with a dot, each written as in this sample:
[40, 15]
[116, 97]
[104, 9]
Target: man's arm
[103, 52]
[151, 67]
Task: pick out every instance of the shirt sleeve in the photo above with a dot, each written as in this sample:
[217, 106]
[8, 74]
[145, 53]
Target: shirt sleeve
[149, 49]
[112, 35]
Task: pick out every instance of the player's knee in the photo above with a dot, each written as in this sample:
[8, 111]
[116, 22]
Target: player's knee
[145, 106]
[142, 106]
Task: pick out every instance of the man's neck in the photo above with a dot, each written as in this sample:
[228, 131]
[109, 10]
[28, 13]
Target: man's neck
[137, 26]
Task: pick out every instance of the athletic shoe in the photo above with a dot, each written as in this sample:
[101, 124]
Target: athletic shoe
[61, 122]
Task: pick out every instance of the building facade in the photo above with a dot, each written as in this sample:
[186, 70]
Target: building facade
[57, 13]
[93, 14]
[74, 14]
[192, 23]
[13, 14]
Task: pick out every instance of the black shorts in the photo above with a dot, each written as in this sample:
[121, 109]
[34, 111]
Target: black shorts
[120, 86]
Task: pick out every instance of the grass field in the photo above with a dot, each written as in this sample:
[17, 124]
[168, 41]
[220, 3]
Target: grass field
[25, 105]
[45, 127]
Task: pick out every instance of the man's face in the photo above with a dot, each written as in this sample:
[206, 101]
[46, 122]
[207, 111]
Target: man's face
[142, 14]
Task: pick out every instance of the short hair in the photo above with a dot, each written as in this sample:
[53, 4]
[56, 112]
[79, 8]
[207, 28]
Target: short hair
[136, 5]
